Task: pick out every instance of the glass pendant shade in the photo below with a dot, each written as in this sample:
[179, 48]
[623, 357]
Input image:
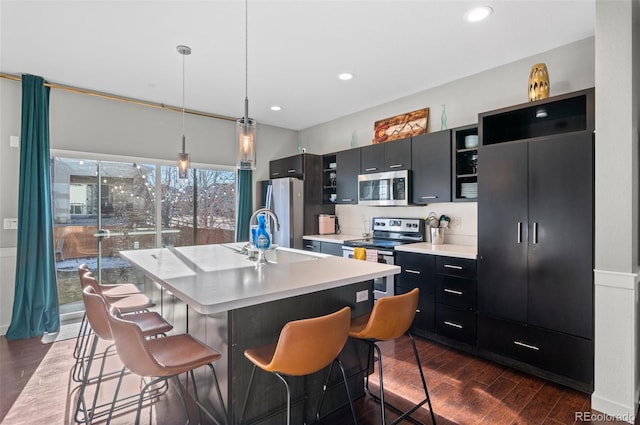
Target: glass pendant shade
[183, 162]
[246, 134]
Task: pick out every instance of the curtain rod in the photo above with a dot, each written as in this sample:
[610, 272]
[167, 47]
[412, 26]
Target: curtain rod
[122, 98]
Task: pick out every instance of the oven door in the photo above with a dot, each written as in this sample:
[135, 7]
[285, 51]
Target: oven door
[382, 286]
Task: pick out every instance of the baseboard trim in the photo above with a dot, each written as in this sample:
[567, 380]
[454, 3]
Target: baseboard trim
[614, 410]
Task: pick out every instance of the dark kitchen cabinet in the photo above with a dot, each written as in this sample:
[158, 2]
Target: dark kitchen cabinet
[456, 298]
[347, 170]
[292, 166]
[389, 156]
[418, 271]
[535, 236]
[322, 247]
[431, 167]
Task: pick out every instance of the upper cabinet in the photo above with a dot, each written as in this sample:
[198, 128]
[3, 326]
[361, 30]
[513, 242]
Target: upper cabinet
[347, 170]
[431, 167]
[464, 179]
[389, 156]
[292, 166]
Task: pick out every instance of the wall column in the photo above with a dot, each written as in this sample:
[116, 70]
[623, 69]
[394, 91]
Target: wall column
[617, 372]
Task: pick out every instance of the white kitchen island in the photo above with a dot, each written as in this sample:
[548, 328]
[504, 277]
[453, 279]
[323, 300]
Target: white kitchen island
[220, 297]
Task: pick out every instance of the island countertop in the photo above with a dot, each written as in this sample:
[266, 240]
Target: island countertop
[216, 278]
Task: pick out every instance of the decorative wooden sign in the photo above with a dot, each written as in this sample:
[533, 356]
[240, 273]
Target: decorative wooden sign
[401, 126]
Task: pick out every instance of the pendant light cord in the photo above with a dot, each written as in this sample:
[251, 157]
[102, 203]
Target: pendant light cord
[183, 85]
[246, 63]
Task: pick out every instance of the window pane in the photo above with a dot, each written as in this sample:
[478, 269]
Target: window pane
[216, 206]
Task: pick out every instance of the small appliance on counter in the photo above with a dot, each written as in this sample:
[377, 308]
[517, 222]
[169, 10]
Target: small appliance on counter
[327, 224]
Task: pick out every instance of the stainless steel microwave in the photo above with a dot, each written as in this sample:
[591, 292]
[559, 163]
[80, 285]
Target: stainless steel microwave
[390, 188]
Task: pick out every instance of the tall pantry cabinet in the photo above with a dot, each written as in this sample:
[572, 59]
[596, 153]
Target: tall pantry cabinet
[535, 236]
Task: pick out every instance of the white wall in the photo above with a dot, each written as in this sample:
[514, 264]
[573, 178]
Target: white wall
[571, 68]
[95, 125]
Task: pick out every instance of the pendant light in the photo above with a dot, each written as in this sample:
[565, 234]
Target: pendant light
[183, 157]
[245, 126]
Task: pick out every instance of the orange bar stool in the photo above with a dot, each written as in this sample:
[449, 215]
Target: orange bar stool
[389, 319]
[304, 347]
[161, 359]
[97, 311]
[120, 290]
[134, 303]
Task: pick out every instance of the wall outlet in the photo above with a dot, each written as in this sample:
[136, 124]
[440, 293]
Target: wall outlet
[14, 141]
[136, 244]
[10, 223]
[362, 296]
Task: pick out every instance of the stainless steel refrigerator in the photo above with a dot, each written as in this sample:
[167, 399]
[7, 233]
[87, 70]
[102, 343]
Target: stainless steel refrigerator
[286, 198]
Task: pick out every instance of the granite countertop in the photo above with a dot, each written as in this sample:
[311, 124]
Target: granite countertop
[332, 238]
[447, 250]
[216, 278]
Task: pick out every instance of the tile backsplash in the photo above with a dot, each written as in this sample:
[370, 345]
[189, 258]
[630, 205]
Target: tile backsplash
[463, 230]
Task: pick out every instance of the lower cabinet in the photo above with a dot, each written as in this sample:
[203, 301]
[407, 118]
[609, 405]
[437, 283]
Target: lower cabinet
[330, 248]
[567, 356]
[418, 271]
[456, 298]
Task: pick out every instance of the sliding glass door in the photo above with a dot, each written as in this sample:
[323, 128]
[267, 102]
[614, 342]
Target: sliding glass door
[104, 207]
[100, 208]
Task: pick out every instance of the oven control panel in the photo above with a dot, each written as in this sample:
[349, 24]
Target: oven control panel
[407, 225]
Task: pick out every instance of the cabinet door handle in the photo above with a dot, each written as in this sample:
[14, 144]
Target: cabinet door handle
[452, 291]
[292, 171]
[371, 169]
[275, 174]
[428, 197]
[347, 200]
[535, 232]
[395, 166]
[412, 271]
[309, 246]
[451, 266]
[529, 346]
[519, 232]
[417, 310]
[453, 325]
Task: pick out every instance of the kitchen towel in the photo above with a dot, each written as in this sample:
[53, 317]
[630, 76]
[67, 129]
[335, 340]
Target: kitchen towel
[372, 255]
[359, 254]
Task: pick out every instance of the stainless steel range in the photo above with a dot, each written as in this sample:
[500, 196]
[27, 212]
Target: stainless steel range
[387, 234]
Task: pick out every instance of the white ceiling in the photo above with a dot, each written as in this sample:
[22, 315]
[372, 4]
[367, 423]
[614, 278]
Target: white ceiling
[296, 49]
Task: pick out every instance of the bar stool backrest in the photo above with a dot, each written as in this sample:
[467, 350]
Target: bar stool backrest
[309, 345]
[131, 347]
[88, 279]
[391, 317]
[97, 312]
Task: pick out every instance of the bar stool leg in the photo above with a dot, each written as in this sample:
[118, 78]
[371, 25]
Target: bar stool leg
[346, 386]
[424, 382]
[246, 397]
[286, 384]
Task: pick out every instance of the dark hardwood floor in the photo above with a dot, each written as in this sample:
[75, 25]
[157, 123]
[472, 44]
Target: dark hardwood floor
[36, 388]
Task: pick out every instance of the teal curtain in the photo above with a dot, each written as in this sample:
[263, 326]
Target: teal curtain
[245, 204]
[35, 306]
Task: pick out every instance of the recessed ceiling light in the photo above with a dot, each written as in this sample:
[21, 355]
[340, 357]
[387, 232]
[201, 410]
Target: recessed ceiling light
[276, 108]
[345, 76]
[478, 14]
